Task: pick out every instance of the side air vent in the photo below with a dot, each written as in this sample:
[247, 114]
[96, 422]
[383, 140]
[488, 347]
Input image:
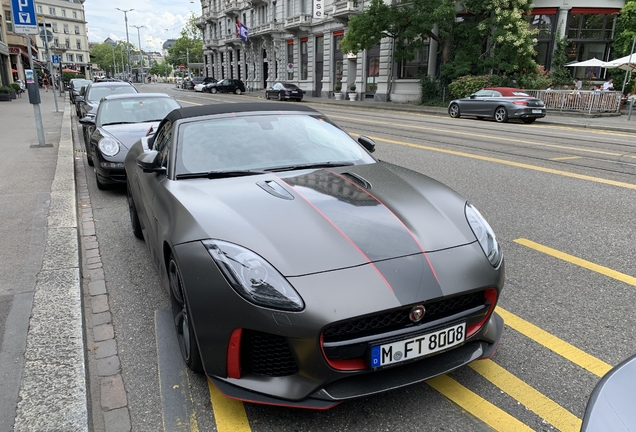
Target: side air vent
[270, 186]
[360, 181]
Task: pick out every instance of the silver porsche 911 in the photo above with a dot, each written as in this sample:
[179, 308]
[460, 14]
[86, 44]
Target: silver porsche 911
[301, 270]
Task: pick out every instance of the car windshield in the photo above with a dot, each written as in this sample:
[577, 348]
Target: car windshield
[135, 110]
[78, 83]
[264, 142]
[97, 93]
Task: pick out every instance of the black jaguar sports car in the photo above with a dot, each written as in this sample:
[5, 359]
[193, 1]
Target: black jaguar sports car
[301, 270]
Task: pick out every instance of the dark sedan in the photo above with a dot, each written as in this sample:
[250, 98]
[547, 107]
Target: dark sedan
[284, 91]
[301, 270]
[226, 86]
[499, 103]
[121, 120]
[74, 87]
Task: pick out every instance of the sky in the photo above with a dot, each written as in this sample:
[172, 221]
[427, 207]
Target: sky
[163, 19]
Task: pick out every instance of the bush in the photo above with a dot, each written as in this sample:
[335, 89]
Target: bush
[5, 90]
[15, 86]
[466, 85]
[352, 87]
[432, 92]
[337, 88]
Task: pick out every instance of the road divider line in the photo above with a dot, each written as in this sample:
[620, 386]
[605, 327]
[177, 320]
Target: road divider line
[229, 413]
[565, 158]
[479, 407]
[559, 346]
[528, 396]
[510, 163]
[630, 280]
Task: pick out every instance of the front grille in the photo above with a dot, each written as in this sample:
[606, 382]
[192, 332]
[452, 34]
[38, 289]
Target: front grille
[396, 319]
[266, 354]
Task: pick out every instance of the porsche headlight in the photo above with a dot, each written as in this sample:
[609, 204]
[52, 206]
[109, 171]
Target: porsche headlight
[484, 234]
[108, 146]
[253, 278]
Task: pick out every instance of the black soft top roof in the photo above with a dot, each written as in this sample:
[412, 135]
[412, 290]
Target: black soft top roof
[204, 110]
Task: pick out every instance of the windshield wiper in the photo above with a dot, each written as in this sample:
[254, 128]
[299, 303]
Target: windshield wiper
[220, 174]
[116, 123]
[311, 165]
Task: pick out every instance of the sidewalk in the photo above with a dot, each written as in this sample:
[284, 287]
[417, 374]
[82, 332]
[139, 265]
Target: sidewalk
[42, 365]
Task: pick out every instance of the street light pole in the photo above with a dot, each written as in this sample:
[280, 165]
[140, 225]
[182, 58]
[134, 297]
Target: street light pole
[114, 65]
[127, 40]
[141, 61]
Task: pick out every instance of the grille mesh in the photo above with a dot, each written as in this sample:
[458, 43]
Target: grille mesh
[399, 318]
[266, 354]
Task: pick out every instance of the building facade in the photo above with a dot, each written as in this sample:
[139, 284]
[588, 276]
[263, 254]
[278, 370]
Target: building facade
[5, 61]
[287, 42]
[69, 38]
[18, 58]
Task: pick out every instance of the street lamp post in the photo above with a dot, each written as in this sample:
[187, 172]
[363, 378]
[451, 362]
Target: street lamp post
[127, 40]
[141, 61]
[114, 65]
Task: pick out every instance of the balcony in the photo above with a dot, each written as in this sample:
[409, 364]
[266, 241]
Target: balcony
[298, 21]
[342, 9]
[234, 7]
[265, 29]
[200, 22]
[212, 43]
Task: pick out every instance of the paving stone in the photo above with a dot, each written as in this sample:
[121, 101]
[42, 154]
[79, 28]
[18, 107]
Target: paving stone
[113, 395]
[94, 260]
[106, 348]
[108, 366]
[103, 332]
[97, 288]
[91, 245]
[101, 318]
[99, 303]
[95, 275]
[117, 420]
[94, 266]
[92, 253]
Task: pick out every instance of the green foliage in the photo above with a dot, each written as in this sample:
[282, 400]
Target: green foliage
[189, 46]
[559, 74]
[466, 85]
[14, 86]
[337, 87]
[538, 79]
[161, 69]
[68, 76]
[352, 87]
[103, 55]
[5, 90]
[432, 91]
[625, 30]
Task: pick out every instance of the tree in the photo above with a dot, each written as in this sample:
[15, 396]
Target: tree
[625, 30]
[189, 46]
[102, 55]
[161, 69]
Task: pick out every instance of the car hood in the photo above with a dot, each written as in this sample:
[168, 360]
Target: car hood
[311, 221]
[128, 134]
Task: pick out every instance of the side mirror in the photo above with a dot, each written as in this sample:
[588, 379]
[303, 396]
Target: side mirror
[83, 90]
[472, 96]
[150, 162]
[367, 143]
[79, 98]
[88, 120]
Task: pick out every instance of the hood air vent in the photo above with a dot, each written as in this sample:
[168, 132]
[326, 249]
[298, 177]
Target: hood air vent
[360, 181]
[271, 187]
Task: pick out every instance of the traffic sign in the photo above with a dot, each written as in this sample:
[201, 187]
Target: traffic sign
[24, 17]
[55, 58]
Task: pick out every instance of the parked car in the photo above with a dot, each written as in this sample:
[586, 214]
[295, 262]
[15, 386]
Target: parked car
[120, 121]
[201, 86]
[500, 103]
[284, 91]
[88, 101]
[74, 87]
[227, 86]
[301, 270]
[190, 83]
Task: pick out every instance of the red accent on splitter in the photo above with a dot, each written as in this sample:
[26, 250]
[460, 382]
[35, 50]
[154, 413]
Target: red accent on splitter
[234, 354]
[491, 295]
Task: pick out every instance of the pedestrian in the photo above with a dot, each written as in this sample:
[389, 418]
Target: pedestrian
[595, 89]
[608, 85]
[550, 88]
[578, 84]
[45, 82]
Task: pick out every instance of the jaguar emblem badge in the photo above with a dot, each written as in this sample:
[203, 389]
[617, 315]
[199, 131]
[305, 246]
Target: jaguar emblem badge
[417, 313]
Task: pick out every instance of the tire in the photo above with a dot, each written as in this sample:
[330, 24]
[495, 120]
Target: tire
[134, 217]
[213, 90]
[266, 95]
[280, 96]
[453, 110]
[89, 159]
[501, 115]
[528, 120]
[181, 318]
[100, 185]
[237, 91]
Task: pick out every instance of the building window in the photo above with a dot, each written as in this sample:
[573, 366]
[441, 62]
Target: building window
[337, 57]
[67, 43]
[545, 25]
[303, 7]
[56, 42]
[290, 60]
[39, 9]
[63, 12]
[413, 68]
[590, 35]
[74, 14]
[7, 17]
[66, 28]
[69, 57]
[304, 59]
[1, 38]
[290, 8]
[78, 44]
[77, 29]
[52, 11]
[54, 27]
[80, 58]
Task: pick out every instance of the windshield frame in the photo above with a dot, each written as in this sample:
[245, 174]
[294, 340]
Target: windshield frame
[137, 97]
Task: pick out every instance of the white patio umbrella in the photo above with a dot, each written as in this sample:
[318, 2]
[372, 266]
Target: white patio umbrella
[593, 62]
[624, 63]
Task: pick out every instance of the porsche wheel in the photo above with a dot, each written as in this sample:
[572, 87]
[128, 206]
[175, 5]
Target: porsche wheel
[134, 217]
[89, 159]
[528, 120]
[237, 91]
[501, 115]
[181, 317]
[213, 90]
[453, 111]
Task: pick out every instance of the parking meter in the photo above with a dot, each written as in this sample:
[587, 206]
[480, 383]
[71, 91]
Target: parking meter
[33, 88]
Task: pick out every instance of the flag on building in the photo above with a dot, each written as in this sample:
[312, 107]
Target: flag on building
[241, 30]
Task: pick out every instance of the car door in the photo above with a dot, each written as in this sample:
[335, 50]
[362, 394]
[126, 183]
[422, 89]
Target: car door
[492, 102]
[478, 104]
[224, 86]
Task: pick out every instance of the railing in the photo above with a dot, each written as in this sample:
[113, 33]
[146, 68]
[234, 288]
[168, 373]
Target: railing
[297, 20]
[581, 101]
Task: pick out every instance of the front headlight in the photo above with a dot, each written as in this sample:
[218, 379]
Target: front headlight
[256, 280]
[484, 234]
[108, 146]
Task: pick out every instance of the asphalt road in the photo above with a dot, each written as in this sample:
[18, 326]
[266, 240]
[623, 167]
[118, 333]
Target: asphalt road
[561, 201]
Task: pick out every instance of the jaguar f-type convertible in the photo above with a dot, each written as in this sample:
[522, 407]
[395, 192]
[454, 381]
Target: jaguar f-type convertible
[302, 271]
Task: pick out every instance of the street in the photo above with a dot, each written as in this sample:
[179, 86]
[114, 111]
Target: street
[560, 200]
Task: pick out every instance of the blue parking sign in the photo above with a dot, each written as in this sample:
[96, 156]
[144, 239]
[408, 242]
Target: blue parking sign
[55, 58]
[24, 17]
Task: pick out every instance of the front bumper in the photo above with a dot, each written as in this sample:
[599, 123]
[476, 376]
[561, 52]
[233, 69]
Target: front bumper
[109, 172]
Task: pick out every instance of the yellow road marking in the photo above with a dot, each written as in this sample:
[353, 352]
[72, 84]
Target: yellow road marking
[479, 407]
[491, 137]
[630, 280]
[555, 344]
[511, 163]
[535, 401]
[229, 414]
[565, 158]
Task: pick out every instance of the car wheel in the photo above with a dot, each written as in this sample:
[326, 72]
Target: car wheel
[453, 110]
[89, 159]
[181, 318]
[100, 185]
[237, 91]
[134, 217]
[280, 96]
[528, 120]
[501, 115]
[213, 90]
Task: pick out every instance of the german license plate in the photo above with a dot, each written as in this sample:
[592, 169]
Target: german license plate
[536, 111]
[419, 346]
